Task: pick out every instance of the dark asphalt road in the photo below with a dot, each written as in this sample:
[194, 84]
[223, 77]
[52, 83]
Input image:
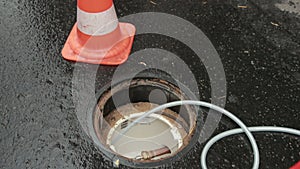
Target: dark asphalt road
[259, 47]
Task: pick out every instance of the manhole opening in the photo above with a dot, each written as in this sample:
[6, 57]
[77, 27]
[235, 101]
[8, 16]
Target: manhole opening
[156, 138]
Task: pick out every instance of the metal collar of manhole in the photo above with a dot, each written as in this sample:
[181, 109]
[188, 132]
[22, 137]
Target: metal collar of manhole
[162, 138]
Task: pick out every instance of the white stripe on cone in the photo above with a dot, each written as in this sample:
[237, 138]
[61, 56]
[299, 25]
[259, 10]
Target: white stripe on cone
[97, 23]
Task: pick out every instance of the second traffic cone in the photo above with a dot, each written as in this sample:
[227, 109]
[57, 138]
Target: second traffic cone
[98, 37]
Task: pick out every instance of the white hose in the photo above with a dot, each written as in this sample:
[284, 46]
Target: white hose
[243, 128]
[238, 131]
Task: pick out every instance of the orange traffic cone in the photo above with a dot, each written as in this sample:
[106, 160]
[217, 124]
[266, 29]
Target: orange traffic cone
[296, 166]
[98, 37]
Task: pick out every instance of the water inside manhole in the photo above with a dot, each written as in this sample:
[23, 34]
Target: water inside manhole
[149, 135]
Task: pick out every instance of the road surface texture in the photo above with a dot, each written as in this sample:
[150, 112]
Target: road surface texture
[257, 40]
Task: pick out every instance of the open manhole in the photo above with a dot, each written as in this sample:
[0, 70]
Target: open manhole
[158, 139]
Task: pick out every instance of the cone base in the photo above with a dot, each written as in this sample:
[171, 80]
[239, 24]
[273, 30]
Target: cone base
[116, 54]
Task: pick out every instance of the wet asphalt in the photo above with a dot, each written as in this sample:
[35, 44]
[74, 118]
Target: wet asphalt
[259, 46]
